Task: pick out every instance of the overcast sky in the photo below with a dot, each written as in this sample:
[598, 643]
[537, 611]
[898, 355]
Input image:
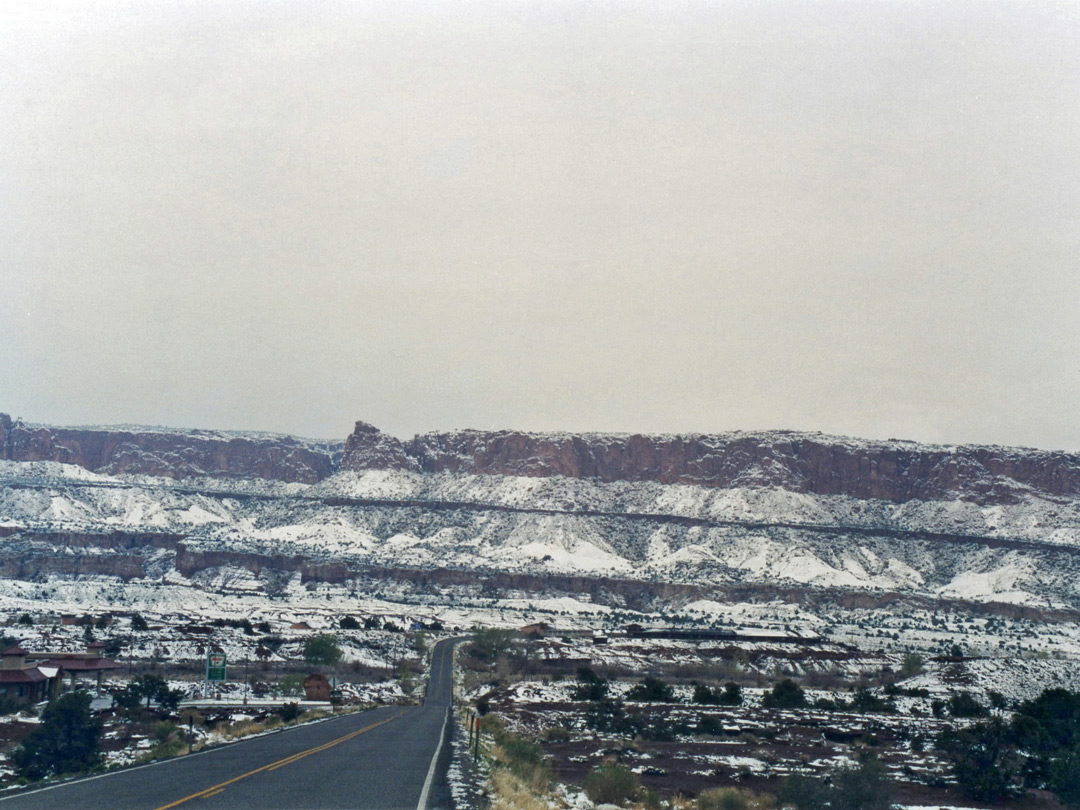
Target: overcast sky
[853, 217]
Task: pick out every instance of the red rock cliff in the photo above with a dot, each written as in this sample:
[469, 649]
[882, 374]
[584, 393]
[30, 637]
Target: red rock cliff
[800, 462]
[171, 453]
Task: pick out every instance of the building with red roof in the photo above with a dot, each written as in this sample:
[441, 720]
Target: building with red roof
[26, 681]
[37, 676]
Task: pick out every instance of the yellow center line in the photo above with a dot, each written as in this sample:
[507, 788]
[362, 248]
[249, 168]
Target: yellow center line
[218, 788]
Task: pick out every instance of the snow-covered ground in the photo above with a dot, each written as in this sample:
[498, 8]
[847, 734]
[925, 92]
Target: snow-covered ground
[574, 526]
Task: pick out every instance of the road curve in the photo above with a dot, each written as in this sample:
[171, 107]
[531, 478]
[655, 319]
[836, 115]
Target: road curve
[384, 759]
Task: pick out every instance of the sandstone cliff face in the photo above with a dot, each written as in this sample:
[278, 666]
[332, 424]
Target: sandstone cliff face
[368, 448]
[170, 453]
[799, 462]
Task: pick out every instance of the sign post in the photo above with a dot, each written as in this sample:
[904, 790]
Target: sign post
[215, 666]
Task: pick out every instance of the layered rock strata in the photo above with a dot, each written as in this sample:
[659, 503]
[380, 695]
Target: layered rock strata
[171, 453]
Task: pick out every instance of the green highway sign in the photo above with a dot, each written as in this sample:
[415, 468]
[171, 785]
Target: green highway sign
[215, 666]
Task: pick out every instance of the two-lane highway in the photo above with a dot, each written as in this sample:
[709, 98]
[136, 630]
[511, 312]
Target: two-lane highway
[383, 759]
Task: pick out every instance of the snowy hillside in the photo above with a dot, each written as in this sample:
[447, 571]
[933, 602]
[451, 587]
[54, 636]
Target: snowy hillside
[1025, 553]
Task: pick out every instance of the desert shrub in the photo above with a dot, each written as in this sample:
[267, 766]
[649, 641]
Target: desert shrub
[557, 734]
[912, 665]
[985, 761]
[706, 695]
[866, 701]
[725, 799]
[607, 715]
[785, 695]
[511, 793]
[168, 742]
[651, 690]
[590, 686]
[1057, 711]
[163, 730]
[243, 728]
[709, 725]
[114, 646]
[1048, 729]
[148, 690]
[862, 787]
[522, 758]
[731, 695]
[963, 704]
[349, 623]
[289, 712]
[658, 728]
[610, 783]
[803, 792]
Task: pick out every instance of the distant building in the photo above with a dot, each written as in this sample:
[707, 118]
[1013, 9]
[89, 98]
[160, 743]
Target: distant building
[78, 665]
[24, 680]
[37, 676]
[316, 687]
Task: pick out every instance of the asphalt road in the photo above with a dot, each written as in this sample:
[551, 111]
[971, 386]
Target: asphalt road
[383, 759]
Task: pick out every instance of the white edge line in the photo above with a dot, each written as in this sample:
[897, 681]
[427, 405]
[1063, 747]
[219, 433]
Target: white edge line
[422, 804]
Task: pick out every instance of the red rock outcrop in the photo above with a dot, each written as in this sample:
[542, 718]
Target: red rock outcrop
[368, 448]
[171, 453]
[800, 462]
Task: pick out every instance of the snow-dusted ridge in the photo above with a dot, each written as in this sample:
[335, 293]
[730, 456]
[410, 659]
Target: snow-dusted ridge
[773, 507]
[212, 433]
[559, 525]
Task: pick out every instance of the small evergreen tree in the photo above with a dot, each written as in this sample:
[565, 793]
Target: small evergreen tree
[67, 741]
[322, 649]
[863, 787]
[732, 694]
[590, 686]
[803, 792]
[148, 689]
[963, 704]
[651, 690]
[985, 761]
[912, 665]
[785, 695]
[706, 695]
[609, 783]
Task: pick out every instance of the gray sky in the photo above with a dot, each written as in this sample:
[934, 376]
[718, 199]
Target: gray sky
[854, 217]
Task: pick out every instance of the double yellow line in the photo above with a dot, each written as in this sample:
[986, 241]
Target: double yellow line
[220, 787]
